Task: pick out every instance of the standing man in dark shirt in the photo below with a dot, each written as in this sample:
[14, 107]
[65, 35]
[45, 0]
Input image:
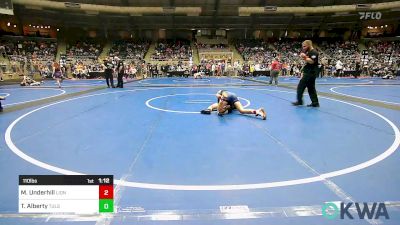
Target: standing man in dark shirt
[121, 73]
[358, 69]
[108, 72]
[310, 73]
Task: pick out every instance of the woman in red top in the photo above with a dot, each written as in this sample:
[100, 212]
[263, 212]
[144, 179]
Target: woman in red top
[275, 69]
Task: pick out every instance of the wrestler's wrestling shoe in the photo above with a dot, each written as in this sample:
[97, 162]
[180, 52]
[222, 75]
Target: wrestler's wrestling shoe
[205, 111]
[261, 112]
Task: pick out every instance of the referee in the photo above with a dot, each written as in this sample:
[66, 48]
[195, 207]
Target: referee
[310, 73]
[108, 72]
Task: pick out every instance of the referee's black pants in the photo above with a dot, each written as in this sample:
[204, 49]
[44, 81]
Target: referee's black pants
[109, 79]
[308, 81]
[120, 83]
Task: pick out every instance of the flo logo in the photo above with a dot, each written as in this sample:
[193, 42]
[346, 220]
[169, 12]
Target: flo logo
[331, 210]
[370, 15]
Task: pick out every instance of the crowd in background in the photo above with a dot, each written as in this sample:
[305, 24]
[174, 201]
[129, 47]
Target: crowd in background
[28, 56]
[172, 50]
[254, 50]
[385, 57]
[89, 48]
[213, 47]
[130, 49]
[29, 49]
[337, 58]
[258, 56]
[81, 60]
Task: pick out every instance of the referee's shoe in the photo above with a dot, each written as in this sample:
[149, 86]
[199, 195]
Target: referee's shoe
[313, 105]
[297, 103]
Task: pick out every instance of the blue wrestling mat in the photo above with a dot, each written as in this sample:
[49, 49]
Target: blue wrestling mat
[173, 165]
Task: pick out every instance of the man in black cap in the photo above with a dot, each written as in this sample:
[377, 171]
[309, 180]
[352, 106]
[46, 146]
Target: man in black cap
[310, 73]
[108, 72]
